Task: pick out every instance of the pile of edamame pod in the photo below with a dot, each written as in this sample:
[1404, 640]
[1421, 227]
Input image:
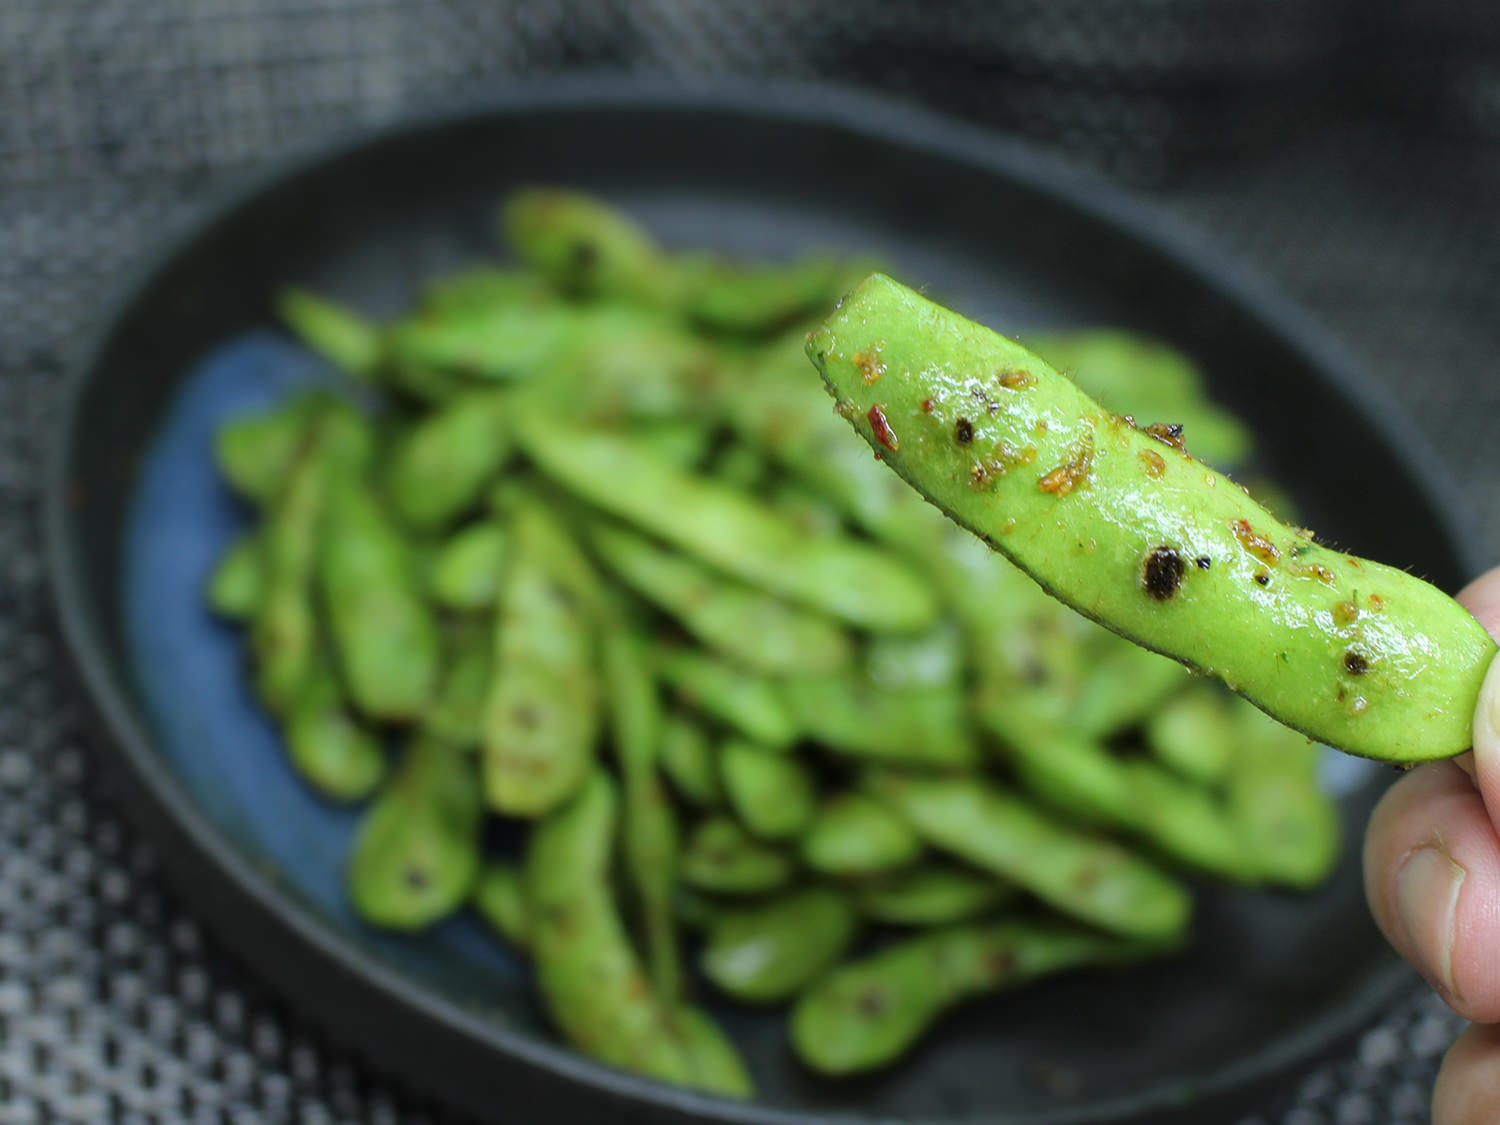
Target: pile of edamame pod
[603, 562]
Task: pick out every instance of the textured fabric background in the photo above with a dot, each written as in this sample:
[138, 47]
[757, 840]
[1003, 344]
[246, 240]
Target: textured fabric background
[1349, 150]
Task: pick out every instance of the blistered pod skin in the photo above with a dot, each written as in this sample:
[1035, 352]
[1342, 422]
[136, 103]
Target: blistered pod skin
[1129, 530]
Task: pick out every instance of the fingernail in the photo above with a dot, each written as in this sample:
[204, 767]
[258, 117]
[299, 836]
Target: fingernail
[1427, 888]
[1487, 715]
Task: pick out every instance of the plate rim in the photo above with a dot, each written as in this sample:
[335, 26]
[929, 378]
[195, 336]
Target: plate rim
[163, 808]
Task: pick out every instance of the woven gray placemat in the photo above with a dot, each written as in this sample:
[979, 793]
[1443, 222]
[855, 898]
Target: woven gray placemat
[114, 1004]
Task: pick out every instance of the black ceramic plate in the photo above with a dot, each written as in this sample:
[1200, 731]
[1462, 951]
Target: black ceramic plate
[134, 516]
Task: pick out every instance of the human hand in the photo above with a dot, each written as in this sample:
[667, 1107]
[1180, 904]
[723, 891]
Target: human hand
[1432, 878]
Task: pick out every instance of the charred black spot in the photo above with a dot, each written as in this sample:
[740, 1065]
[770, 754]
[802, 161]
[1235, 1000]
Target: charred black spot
[1203, 562]
[963, 431]
[872, 1002]
[1262, 578]
[417, 878]
[1355, 663]
[527, 716]
[583, 256]
[1161, 573]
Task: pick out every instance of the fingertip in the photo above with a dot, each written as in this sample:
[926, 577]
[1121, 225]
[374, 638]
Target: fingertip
[1467, 1091]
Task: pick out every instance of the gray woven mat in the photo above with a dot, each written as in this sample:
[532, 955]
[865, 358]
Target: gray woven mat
[114, 1005]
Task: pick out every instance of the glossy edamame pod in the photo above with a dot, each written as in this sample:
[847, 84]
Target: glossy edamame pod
[1086, 877]
[500, 898]
[762, 632]
[336, 333]
[457, 712]
[384, 633]
[330, 749]
[466, 571]
[838, 575]
[541, 714]
[853, 835]
[591, 980]
[416, 852]
[690, 761]
[869, 1012]
[1189, 823]
[712, 1059]
[773, 794]
[650, 832]
[932, 894]
[1133, 374]
[442, 464]
[237, 583]
[583, 246]
[854, 715]
[769, 952]
[1129, 530]
[751, 704]
[255, 452]
[722, 858]
[756, 299]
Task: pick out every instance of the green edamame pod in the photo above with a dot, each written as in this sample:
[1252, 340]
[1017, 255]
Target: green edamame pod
[1146, 378]
[541, 714]
[690, 761]
[722, 858]
[869, 1012]
[336, 333]
[712, 1059]
[758, 299]
[1124, 685]
[583, 246]
[1189, 823]
[770, 952]
[457, 711]
[750, 704]
[238, 580]
[720, 525]
[762, 632]
[854, 714]
[739, 465]
[1289, 827]
[591, 980]
[1194, 733]
[650, 829]
[444, 462]
[284, 631]
[684, 442]
[500, 898]
[331, 750]
[383, 632]
[1087, 877]
[416, 853]
[1129, 530]
[478, 289]
[466, 571]
[255, 452]
[773, 794]
[854, 835]
[934, 894]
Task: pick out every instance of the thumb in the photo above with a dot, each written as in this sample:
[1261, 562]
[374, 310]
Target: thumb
[1482, 598]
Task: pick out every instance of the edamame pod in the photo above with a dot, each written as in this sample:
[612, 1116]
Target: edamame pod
[854, 715]
[443, 463]
[690, 761]
[1194, 733]
[869, 1012]
[750, 704]
[329, 747]
[237, 584]
[1086, 877]
[934, 894]
[457, 712]
[713, 1061]
[255, 452]
[1129, 530]
[590, 977]
[650, 823]
[383, 632]
[583, 246]
[500, 898]
[773, 794]
[714, 522]
[770, 952]
[466, 571]
[854, 835]
[541, 714]
[336, 333]
[479, 289]
[761, 632]
[416, 853]
[758, 299]
[722, 858]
